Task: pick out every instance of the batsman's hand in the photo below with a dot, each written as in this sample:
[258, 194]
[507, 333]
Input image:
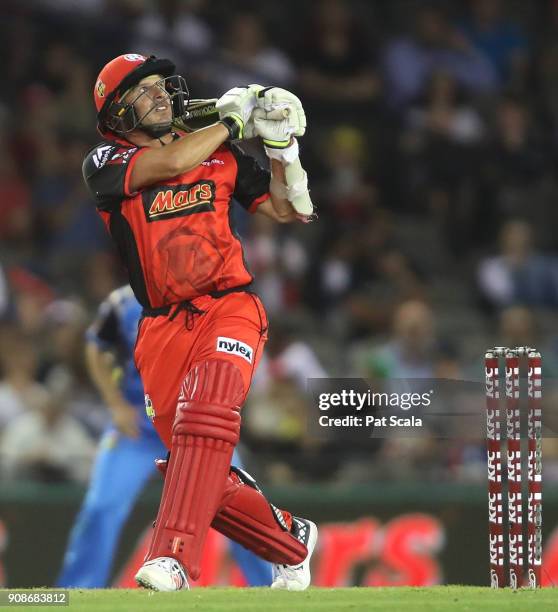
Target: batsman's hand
[277, 127]
[278, 117]
[125, 418]
[272, 99]
[235, 109]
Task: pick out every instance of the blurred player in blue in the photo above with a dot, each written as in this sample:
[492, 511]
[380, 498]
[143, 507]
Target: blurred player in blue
[127, 451]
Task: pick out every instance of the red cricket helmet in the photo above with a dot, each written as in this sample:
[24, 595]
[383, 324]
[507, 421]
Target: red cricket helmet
[122, 73]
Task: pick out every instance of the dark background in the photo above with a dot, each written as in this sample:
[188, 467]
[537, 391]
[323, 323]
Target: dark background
[431, 152]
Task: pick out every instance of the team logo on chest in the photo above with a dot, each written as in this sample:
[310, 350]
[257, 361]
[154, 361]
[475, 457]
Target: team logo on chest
[179, 200]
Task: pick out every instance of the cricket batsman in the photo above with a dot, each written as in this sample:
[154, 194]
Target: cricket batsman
[127, 452]
[165, 195]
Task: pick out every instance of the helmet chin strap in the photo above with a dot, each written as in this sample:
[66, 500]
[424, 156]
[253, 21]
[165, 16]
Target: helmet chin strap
[157, 129]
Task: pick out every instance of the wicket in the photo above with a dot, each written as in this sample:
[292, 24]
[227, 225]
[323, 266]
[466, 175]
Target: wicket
[515, 536]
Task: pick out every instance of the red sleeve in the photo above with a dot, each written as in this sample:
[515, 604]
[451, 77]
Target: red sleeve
[134, 158]
[254, 206]
[106, 171]
[252, 181]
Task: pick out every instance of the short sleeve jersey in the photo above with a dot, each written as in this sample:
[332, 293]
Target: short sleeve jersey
[175, 237]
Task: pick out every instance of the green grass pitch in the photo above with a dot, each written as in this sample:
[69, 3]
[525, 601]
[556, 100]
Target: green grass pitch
[400, 599]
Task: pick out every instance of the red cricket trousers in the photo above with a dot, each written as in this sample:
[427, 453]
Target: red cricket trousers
[232, 328]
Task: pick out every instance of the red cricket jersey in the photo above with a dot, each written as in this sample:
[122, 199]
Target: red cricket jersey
[175, 237]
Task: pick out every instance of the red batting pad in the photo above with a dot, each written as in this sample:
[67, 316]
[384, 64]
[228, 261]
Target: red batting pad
[248, 518]
[205, 432]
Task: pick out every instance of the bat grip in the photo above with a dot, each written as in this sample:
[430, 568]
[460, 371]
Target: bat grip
[279, 113]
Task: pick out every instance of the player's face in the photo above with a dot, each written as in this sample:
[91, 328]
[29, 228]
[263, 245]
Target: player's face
[151, 100]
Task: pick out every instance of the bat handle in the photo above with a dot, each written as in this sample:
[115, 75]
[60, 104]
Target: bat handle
[279, 113]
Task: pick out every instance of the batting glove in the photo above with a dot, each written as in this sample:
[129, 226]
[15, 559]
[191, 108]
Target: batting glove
[274, 98]
[276, 127]
[235, 109]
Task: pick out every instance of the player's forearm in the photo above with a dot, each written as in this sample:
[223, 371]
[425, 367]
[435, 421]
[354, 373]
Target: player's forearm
[189, 151]
[283, 209]
[161, 163]
[101, 374]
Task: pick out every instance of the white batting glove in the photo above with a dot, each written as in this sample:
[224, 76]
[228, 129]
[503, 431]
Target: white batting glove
[274, 98]
[235, 109]
[276, 127]
[279, 117]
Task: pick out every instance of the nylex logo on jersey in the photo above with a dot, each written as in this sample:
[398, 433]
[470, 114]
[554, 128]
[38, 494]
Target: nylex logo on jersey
[234, 347]
[179, 200]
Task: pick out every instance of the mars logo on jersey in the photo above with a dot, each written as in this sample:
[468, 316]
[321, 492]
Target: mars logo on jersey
[179, 200]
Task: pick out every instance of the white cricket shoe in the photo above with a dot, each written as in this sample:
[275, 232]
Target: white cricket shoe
[297, 577]
[162, 574]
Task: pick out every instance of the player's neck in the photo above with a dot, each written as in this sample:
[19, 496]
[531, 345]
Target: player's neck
[141, 139]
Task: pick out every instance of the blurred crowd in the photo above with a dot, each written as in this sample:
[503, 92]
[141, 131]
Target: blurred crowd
[431, 148]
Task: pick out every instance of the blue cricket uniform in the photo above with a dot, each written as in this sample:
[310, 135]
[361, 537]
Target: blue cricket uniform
[123, 465]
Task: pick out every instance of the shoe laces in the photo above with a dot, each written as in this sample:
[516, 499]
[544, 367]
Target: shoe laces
[287, 572]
